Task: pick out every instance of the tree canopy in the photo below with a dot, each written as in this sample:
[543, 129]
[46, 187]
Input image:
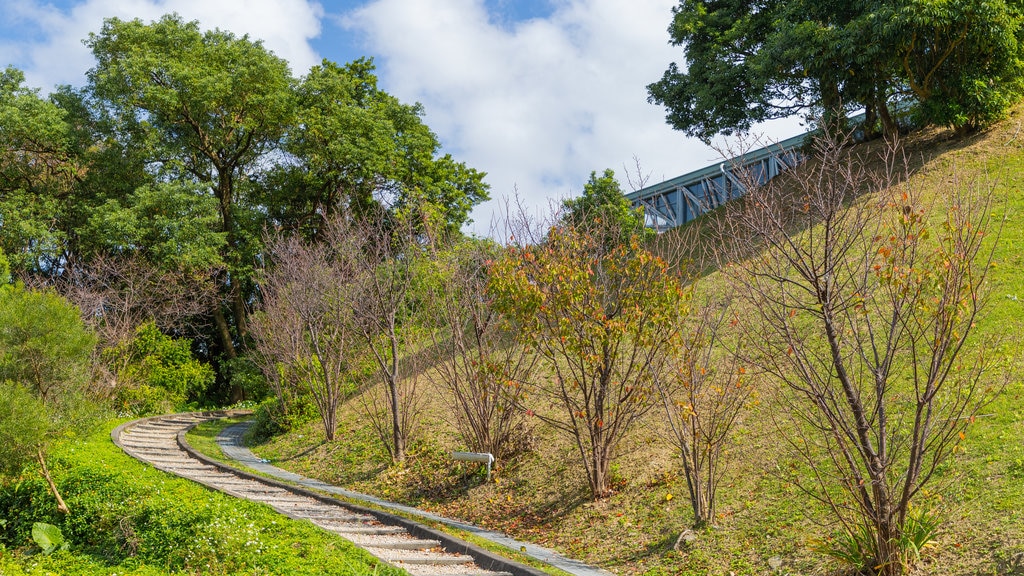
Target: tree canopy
[602, 198]
[185, 146]
[957, 63]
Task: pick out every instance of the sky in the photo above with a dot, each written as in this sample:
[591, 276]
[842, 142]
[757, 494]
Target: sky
[536, 93]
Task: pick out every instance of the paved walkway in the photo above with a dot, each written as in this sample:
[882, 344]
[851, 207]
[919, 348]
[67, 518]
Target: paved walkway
[230, 441]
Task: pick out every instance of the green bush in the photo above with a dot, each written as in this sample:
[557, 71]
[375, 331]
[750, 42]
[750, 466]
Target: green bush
[5, 268]
[45, 369]
[43, 343]
[274, 417]
[244, 374]
[158, 373]
[21, 413]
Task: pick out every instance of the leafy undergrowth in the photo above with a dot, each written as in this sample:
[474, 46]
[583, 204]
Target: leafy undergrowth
[764, 524]
[128, 518]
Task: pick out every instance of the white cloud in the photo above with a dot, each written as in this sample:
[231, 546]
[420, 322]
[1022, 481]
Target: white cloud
[541, 103]
[58, 56]
[537, 104]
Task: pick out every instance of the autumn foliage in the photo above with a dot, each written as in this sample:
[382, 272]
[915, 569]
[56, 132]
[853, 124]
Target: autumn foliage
[598, 315]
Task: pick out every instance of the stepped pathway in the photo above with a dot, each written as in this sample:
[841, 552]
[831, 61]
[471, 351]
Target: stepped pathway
[400, 542]
[230, 442]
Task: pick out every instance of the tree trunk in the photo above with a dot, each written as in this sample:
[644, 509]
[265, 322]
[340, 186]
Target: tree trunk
[889, 127]
[61, 506]
[833, 118]
[870, 122]
[888, 561]
[224, 331]
[599, 480]
[398, 438]
[239, 311]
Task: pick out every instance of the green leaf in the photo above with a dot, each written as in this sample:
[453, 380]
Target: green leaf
[48, 537]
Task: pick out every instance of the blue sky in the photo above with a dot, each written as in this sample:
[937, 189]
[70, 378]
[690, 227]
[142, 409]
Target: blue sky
[537, 93]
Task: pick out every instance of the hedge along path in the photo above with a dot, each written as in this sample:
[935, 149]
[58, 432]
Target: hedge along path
[417, 549]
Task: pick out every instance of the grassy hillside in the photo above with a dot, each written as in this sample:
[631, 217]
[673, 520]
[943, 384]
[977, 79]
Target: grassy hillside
[763, 518]
[128, 518]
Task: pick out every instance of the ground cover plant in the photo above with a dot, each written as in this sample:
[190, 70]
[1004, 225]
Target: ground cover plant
[764, 521]
[128, 518]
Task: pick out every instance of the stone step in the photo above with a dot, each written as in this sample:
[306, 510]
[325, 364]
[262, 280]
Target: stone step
[345, 519]
[321, 514]
[189, 470]
[357, 529]
[393, 542]
[155, 451]
[180, 463]
[167, 459]
[290, 499]
[250, 492]
[449, 571]
[432, 558]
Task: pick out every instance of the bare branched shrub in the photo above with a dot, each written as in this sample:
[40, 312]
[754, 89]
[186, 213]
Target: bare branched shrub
[861, 297]
[702, 381]
[306, 335]
[388, 311]
[703, 387]
[478, 359]
[118, 294]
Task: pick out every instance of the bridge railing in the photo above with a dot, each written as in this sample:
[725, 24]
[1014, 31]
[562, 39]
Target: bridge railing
[677, 201]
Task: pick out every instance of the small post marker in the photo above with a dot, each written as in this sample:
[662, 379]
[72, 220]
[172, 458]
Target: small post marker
[483, 457]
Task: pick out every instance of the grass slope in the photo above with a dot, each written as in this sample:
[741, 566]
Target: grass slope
[129, 518]
[542, 497]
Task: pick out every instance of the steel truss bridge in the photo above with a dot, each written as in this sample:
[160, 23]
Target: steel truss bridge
[683, 198]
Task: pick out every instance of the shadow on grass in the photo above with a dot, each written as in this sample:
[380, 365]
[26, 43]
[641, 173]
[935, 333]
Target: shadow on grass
[298, 455]
[653, 549]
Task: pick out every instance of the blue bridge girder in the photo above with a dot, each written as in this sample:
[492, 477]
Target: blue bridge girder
[681, 199]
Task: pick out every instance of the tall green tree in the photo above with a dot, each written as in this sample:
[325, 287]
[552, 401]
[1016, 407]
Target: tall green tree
[186, 145]
[962, 61]
[357, 147]
[37, 175]
[753, 60]
[722, 87]
[209, 106]
[603, 203]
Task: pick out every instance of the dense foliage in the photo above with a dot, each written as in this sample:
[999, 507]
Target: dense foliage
[158, 373]
[186, 145]
[44, 376]
[957, 63]
[602, 200]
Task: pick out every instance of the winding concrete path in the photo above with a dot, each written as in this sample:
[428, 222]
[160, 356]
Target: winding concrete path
[398, 541]
[230, 441]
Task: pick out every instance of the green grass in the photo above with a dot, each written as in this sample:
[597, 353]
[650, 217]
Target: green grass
[128, 518]
[979, 493]
[203, 437]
